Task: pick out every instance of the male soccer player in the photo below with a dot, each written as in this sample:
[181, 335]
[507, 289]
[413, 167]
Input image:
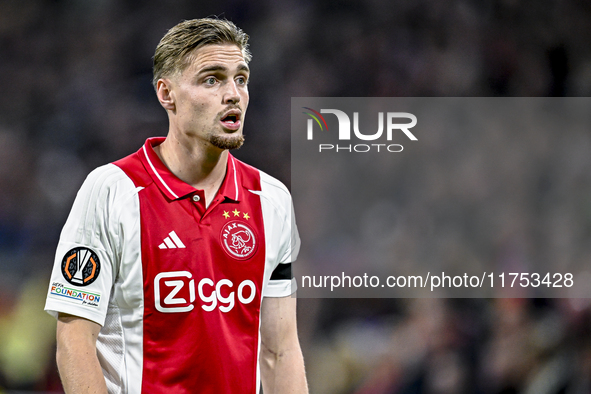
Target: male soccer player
[173, 270]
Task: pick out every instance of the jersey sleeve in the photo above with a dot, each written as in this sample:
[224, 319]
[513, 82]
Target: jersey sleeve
[285, 239]
[89, 249]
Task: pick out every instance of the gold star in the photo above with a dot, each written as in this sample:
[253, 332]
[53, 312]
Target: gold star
[226, 214]
[246, 216]
[236, 212]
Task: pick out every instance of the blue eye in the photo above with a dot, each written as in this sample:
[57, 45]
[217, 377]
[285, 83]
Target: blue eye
[210, 81]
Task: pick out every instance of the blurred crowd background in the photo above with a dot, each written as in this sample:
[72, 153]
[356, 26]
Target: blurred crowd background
[77, 94]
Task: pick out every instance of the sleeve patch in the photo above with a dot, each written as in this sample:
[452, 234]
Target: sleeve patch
[59, 291]
[81, 266]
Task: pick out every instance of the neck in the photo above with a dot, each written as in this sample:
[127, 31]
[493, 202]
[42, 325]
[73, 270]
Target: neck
[195, 162]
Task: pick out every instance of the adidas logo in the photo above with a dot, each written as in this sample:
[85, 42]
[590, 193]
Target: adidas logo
[172, 242]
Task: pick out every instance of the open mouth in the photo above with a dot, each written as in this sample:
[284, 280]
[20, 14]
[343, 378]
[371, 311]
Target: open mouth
[231, 120]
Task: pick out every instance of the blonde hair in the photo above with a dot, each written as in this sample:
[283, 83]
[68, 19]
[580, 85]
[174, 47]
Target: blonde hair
[173, 50]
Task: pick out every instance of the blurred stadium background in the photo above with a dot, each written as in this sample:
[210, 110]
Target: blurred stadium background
[76, 94]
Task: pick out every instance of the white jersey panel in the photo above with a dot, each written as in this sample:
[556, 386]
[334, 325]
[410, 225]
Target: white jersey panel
[282, 241]
[105, 220]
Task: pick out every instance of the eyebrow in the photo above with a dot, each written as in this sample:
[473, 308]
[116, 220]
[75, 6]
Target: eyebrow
[218, 67]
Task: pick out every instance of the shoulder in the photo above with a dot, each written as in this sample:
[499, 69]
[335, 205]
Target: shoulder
[124, 175]
[266, 186]
[274, 187]
[106, 194]
[106, 186]
[253, 178]
[275, 195]
[107, 177]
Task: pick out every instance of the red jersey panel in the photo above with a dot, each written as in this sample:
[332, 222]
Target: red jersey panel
[203, 279]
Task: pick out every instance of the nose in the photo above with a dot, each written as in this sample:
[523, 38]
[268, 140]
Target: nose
[232, 95]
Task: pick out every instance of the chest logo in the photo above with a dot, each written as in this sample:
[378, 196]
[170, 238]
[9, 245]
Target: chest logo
[238, 240]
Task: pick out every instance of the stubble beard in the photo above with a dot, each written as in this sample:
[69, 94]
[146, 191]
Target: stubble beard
[226, 141]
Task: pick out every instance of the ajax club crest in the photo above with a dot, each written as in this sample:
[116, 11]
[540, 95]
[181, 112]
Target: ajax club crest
[238, 240]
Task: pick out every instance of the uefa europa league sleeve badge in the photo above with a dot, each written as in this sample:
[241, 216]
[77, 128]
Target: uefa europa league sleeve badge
[81, 266]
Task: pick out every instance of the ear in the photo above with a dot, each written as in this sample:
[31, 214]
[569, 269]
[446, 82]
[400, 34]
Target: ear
[165, 94]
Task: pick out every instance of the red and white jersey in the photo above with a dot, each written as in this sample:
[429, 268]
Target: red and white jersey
[176, 286]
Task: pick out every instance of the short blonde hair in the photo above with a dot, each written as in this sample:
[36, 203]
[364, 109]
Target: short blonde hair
[172, 53]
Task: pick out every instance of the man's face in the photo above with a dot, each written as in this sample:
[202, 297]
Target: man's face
[211, 96]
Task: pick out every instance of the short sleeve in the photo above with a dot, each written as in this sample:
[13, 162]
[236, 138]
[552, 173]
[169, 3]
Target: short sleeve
[88, 251]
[283, 238]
